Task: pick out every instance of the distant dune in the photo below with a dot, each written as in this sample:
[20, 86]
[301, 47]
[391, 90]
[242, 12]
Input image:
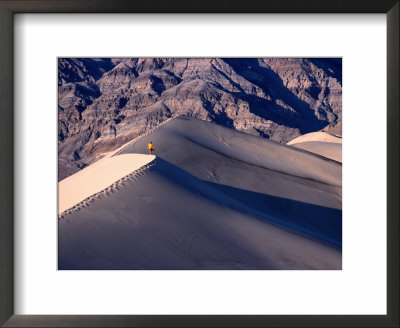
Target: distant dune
[321, 143]
[213, 198]
[316, 136]
[330, 150]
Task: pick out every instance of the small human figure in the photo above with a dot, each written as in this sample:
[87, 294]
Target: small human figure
[150, 146]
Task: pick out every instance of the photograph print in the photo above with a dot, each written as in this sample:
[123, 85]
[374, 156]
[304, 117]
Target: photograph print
[199, 163]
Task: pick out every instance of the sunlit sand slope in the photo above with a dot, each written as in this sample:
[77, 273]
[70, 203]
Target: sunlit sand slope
[316, 136]
[320, 143]
[97, 177]
[331, 150]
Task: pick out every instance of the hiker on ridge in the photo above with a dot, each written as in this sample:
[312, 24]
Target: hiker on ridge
[150, 146]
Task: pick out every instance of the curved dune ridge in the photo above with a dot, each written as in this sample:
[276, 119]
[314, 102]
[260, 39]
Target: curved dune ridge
[330, 150]
[185, 137]
[97, 177]
[213, 198]
[316, 136]
[320, 143]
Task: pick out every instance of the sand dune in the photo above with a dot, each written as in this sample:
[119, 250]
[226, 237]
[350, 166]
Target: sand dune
[320, 143]
[168, 219]
[97, 177]
[316, 136]
[182, 138]
[214, 198]
[218, 154]
[332, 150]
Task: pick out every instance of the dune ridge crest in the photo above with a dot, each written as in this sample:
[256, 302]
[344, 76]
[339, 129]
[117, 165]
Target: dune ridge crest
[316, 136]
[67, 206]
[187, 135]
[133, 141]
[98, 177]
[320, 143]
[117, 185]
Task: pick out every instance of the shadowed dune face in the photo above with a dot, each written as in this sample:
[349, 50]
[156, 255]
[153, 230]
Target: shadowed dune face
[221, 155]
[169, 219]
[215, 198]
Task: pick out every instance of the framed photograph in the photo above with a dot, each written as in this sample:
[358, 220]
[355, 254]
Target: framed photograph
[204, 164]
[174, 164]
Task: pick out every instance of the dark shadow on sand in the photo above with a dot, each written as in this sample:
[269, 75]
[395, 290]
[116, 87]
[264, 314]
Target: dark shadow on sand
[316, 222]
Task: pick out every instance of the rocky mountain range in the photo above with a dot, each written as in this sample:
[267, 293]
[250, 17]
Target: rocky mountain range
[105, 102]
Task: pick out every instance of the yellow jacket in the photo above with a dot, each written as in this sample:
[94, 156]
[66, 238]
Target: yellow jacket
[150, 146]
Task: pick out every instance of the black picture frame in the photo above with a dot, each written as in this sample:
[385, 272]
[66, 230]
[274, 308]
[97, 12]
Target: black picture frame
[10, 7]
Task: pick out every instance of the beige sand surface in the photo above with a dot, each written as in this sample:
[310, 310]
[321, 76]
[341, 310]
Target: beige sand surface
[320, 143]
[97, 177]
[316, 136]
